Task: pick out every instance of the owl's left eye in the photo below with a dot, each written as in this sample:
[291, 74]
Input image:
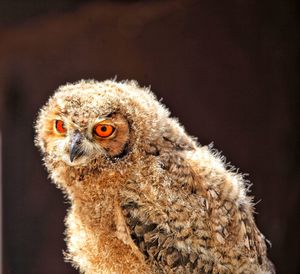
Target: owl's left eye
[60, 126]
[104, 130]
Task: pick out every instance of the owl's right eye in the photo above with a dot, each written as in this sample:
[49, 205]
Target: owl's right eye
[60, 126]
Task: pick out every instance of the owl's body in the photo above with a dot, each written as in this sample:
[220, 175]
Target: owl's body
[145, 198]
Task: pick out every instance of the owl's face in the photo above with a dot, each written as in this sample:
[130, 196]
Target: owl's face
[76, 131]
[98, 124]
[79, 141]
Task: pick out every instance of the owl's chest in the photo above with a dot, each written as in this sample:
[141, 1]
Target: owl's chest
[96, 212]
[98, 240]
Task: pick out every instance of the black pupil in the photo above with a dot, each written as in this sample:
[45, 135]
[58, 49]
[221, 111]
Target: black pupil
[103, 128]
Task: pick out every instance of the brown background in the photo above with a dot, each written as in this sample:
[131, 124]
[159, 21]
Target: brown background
[228, 70]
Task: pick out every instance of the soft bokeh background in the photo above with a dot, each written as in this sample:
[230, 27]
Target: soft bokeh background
[228, 69]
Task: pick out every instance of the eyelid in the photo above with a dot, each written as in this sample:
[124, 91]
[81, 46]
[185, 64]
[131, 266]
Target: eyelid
[102, 119]
[60, 118]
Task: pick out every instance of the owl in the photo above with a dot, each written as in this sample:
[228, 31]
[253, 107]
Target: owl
[144, 196]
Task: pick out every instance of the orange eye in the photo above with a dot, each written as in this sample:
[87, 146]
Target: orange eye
[104, 130]
[60, 127]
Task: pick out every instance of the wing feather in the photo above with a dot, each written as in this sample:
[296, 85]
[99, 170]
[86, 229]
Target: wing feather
[176, 233]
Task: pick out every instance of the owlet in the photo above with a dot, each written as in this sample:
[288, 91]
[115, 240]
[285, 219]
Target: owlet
[144, 196]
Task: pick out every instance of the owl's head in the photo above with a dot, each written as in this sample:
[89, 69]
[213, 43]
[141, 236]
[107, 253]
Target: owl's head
[98, 123]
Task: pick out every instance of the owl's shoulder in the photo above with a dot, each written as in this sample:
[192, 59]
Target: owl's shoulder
[192, 214]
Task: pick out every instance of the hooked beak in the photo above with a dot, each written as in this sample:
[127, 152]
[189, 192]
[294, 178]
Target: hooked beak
[75, 146]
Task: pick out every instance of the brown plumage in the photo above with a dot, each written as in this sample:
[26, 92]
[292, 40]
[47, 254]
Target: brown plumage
[145, 197]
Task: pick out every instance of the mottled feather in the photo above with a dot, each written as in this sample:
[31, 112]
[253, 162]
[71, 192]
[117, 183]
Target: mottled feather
[147, 198]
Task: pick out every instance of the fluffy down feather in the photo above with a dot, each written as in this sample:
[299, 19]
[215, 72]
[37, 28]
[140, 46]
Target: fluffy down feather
[149, 199]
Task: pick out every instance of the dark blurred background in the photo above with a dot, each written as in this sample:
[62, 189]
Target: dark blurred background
[228, 69]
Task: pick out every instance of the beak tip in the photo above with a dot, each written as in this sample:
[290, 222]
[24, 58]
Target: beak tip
[75, 153]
